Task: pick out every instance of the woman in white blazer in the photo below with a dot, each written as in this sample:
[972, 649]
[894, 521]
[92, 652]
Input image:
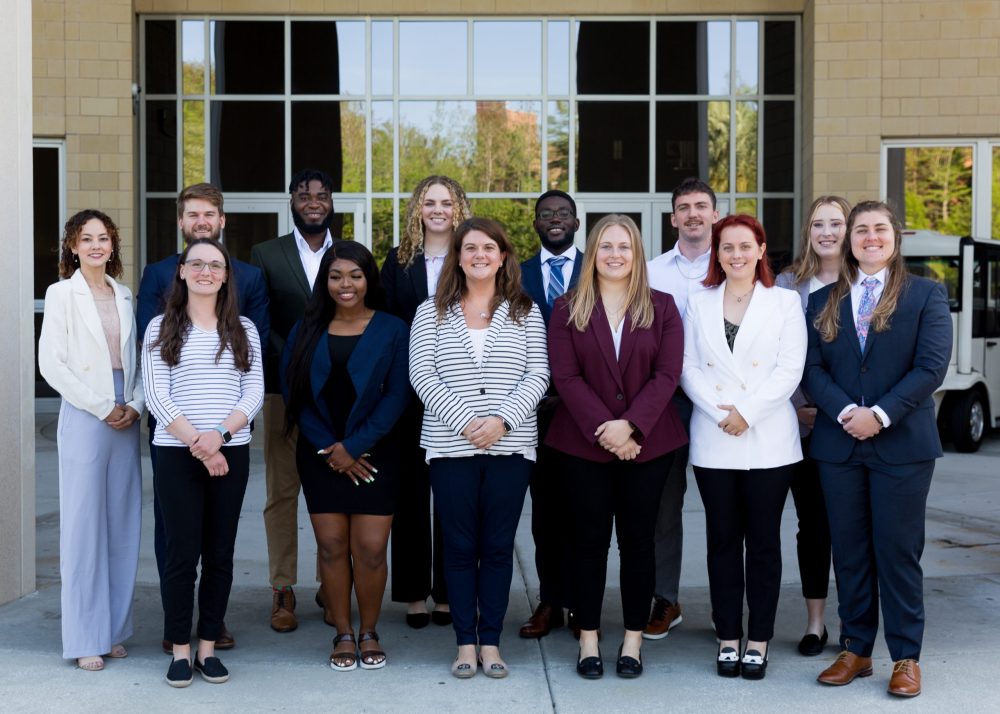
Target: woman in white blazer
[478, 362]
[87, 353]
[744, 350]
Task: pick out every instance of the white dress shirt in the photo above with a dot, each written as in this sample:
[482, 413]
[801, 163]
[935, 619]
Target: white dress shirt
[567, 267]
[311, 259]
[673, 273]
[857, 290]
[433, 263]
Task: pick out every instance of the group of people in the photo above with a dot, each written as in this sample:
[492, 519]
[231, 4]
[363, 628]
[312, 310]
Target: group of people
[456, 373]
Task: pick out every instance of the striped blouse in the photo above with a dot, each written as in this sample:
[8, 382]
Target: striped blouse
[455, 387]
[198, 388]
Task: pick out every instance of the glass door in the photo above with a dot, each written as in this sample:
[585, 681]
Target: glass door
[591, 211]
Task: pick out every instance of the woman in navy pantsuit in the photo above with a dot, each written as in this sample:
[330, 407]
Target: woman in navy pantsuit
[478, 363]
[879, 346]
[86, 352]
[616, 351]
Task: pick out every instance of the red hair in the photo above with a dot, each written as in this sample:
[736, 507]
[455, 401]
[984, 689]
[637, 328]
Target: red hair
[762, 274]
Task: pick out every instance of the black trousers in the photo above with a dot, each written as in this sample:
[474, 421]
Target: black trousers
[551, 521]
[877, 512]
[813, 537]
[626, 495]
[743, 527]
[200, 517]
[417, 557]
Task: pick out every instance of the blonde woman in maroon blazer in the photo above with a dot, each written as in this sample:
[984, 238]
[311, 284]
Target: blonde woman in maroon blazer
[615, 351]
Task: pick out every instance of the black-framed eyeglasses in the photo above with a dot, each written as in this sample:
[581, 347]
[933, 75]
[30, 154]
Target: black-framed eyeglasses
[217, 267]
[547, 213]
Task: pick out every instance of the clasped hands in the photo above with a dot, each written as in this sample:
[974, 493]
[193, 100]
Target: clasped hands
[122, 416]
[734, 424]
[484, 432]
[206, 447]
[341, 461]
[616, 436]
[861, 423]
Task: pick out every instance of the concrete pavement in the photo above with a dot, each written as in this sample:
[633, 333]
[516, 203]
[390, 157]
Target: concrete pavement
[279, 672]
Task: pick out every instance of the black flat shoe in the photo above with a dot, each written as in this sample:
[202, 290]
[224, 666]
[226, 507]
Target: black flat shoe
[628, 667]
[441, 617]
[812, 645]
[211, 670]
[418, 620]
[179, 674]
[728, 662]
[590, 667]
[754, 665]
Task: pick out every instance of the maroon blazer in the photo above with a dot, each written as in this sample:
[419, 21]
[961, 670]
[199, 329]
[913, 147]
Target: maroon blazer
[596, 387]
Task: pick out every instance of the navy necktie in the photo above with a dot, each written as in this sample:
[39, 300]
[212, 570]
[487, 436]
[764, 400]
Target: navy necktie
[556, 285]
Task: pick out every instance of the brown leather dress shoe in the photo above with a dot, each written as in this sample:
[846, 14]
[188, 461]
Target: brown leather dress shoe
[843, 671]
[541, 623]
[226, 640]
[664, 616]
[905, 681]
[283, 611]
[168, 647]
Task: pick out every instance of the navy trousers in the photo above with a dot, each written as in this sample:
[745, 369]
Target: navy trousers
[876, 512]
[479, 500]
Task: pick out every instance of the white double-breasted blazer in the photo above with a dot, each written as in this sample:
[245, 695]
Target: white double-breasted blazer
[757, 377]
[73, 352]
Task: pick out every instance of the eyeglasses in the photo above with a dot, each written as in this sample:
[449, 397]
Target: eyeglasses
[216, 266]
[547, 213]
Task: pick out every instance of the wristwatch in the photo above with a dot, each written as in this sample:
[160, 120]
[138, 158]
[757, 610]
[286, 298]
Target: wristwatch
[507, 428]
[878, 418]
[226, 436]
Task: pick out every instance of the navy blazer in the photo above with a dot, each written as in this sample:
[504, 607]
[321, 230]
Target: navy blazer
[595, 386]
[534, 285]
[899, 372]
[379, 370]
[157, 279]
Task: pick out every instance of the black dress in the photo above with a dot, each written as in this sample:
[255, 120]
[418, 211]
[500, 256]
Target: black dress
[329, 491]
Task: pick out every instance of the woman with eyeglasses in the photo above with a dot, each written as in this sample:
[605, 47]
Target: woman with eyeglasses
[204, 383]
[86, 352]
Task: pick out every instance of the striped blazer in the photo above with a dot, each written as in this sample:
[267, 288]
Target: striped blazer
[455, 389]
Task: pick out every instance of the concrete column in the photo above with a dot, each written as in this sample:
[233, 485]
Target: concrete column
[17, 358]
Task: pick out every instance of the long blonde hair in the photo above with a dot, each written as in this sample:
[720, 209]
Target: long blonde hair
[412, 241]
[806, 263]
[827, 323]
[638, 298]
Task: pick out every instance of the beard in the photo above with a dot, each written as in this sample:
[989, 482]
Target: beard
[311, 228]
[188, 237]
[559, 245]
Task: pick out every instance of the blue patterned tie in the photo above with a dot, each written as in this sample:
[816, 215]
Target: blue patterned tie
[556, 286]
[865, 309]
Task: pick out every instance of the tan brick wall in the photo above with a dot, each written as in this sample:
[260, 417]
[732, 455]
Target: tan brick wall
[83, 74]
[896, 70]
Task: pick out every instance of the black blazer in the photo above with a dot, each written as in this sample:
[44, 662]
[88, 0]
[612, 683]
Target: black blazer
[531, 281]
[288, 290]
[405, 286]
[899, 372]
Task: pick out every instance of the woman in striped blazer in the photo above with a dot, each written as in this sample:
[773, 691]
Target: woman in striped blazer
[478, 363]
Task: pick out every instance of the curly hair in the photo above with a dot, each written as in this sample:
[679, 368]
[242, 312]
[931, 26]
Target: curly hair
[71, 232]
[451, 285]
[177, 322]
[412, 241]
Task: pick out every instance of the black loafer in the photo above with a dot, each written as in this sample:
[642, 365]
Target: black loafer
[628, 667]
[440, 617]
[180, 675]
[754, 665]
[418, 620]
[728, 662]
[212, 670]
[590, 667]
[812, 645]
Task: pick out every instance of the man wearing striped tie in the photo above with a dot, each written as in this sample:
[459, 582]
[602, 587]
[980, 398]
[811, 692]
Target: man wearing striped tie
[545, 276]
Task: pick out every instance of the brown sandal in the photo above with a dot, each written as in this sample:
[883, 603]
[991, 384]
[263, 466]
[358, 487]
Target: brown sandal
[374, 658]
[343, 661]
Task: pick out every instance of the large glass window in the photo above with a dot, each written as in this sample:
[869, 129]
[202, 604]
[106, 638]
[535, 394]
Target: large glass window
[612, 110]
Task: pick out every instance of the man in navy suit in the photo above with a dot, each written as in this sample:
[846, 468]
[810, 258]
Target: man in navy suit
[545, 276]
[199, 215]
